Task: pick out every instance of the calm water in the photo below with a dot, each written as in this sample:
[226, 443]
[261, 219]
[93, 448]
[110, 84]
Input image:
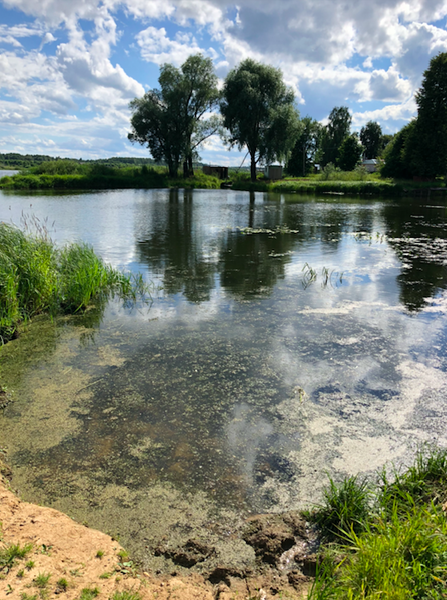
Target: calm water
[287, 337]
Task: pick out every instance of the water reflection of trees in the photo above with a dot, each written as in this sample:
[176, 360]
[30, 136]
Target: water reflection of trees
[252, 263]
[176, 242]
[417, 233]
[174, 248]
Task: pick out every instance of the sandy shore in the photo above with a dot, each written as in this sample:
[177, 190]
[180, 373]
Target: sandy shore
[88, 559]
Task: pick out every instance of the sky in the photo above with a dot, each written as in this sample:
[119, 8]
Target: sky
[69, 68]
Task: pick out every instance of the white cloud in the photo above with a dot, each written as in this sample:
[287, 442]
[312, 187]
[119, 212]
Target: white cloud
[155, 9]
[332, 52]
[397, 114]
[55, 12]
[48, 38]
[87, 68]
[156, 47]
[383, 85]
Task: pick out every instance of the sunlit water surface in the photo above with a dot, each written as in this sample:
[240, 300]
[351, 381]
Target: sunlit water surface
[286, 338]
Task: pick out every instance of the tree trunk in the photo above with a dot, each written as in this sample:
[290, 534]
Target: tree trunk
[185, 169]
[190, 167]
[173, 169]
[253, 167]
[251, 216]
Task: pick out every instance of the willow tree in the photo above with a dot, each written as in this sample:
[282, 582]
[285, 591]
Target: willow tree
[258, 110]
[170, 120]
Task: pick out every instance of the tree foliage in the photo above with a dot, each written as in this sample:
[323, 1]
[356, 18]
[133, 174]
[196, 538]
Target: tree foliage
[420, 148]
[350, 153]
[428, 156]
[371, 138]
[258, 110]
[386, 139]
[337, 129]
[396, 162]
[169, 120]
[302, 157]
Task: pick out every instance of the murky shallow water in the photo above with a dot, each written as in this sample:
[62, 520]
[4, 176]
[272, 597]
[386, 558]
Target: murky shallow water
[292, 337]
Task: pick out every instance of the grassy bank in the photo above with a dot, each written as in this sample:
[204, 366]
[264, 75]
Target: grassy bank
[315, 186]
[389, 541]
[334, 181]
[66, 175]
[73, 175]
[37, 277]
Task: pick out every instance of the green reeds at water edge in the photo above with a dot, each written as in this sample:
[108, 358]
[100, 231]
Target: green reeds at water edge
[38, 277]
[385, 542]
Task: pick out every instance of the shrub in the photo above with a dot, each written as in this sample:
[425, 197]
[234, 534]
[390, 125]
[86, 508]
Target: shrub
[126, 596]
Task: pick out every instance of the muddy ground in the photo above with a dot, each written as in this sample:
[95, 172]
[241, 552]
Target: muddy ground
[88, 559]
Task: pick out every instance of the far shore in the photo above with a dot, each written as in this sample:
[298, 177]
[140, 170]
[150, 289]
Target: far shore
[109, 178]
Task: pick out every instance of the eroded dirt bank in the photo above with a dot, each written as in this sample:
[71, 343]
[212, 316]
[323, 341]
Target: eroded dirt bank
[88, 559]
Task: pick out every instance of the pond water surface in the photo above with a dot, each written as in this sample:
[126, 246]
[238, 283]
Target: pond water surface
[287, 337]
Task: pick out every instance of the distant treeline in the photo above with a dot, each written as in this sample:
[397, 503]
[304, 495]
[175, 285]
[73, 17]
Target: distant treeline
[13, 160]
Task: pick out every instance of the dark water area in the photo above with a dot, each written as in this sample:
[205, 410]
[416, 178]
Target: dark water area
[287, 337]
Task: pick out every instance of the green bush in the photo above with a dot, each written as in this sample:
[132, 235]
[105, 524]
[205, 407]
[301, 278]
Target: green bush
[58, 167]
[398, 557]
[198, 180]
[11, 552]
[126, 596]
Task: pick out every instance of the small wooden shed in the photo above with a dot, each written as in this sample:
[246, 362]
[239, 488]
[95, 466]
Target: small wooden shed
[273, 172]
[220, 172]
[370, 164]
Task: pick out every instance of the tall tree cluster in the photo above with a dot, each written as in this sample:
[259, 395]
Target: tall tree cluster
[170, 120]
[420, 148]
[258, 113]
[337, 129]
[371, 139]
[256, 106]
[303, 154]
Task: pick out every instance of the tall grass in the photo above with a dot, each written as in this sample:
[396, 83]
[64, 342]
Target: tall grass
[72, 175]
[333, 173]
[424, 481]
[36, 277]
[345, 508]
[393, 548]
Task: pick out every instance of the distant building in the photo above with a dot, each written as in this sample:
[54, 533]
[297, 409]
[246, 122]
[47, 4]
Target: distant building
[220, 172]
[273, 172]
[370, 164]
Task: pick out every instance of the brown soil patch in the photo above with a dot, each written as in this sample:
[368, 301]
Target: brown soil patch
[68, 550]
[89, 559]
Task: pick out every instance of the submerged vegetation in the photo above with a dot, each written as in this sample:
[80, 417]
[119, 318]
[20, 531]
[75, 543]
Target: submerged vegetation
[38, 277]
[387, 543]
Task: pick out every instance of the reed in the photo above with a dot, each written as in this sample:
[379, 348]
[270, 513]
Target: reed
[38, 277]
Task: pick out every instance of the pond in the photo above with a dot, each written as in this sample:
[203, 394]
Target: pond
[287, 338]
